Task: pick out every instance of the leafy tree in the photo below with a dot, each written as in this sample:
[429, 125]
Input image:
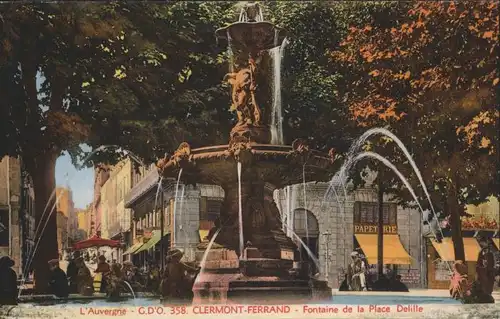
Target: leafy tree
[131, 75]
[431, 79]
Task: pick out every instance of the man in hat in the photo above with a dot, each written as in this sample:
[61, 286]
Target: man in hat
[58, 282]
[485, 267]
[72, 273]
[104, 269]
[8, 282]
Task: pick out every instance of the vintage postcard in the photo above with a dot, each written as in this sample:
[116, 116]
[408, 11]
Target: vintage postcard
[236, 159]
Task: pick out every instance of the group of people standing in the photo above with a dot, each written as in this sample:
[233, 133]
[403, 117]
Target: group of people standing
[360, 277]
[480, 289]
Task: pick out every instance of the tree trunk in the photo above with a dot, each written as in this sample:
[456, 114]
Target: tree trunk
[44, 180]
[455, 211]
[380, 228]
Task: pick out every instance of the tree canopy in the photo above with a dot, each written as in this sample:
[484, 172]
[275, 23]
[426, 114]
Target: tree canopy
[431, 78]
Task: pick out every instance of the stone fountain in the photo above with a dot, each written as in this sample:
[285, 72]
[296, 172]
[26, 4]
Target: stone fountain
[268, 262]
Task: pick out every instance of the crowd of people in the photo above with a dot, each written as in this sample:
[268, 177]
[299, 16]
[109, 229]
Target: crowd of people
[174, 284]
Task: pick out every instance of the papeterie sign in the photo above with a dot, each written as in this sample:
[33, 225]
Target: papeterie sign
[372, 229]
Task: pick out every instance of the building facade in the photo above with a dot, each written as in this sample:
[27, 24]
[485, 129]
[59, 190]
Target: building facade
[10, 204]
[101, 175]
[188, 212]
[336, 226]
[66, 207]
[115, 217]
[83, 219]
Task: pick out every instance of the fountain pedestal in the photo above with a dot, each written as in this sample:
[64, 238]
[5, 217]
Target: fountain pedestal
[255, 280]
[252, 259]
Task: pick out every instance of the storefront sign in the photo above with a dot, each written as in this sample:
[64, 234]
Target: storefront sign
[410, 277]
[442, 271]
[372, 229]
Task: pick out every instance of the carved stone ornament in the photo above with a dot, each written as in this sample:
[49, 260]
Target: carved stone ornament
[243, 95]
[332, 155]
[160, 165]
[182, 155]
[240, 148]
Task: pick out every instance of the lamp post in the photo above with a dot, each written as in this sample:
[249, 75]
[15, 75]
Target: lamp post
[327, 239]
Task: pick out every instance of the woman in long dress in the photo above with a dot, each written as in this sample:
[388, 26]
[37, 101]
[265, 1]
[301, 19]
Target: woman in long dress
[84, 280]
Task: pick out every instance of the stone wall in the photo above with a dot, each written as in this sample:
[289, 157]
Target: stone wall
[187, 223]
[10, 195]
[335, 219]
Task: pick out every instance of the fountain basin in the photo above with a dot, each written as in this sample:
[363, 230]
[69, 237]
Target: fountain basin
[238, 288]
[279, 165]
[250, 36]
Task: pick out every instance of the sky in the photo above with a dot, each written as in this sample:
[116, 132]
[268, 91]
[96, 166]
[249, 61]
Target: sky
[81, 182]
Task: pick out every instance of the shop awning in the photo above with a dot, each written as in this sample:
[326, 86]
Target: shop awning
[132, 249]
[497, 242]
[394, 252]
[447, 252]
[155, 238]
[203, 233]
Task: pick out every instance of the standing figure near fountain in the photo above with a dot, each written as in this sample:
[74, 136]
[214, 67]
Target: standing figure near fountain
[8, 282]
[173, 282]
[58, 280]
[84, 281]
[460, 286]
[356, 273]
[72, 273]
[485, 270]
[115, 282]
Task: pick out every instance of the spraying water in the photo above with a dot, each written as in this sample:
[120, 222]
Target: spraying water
[276, 111]
[387, 163]
[175, 206]
[230, 54]
[181, 222]
[129, 287]
[305, 202]
[306, 248]
[158, 191]
[405, 151]
[205, 254]
[357, 145]
[240, 212]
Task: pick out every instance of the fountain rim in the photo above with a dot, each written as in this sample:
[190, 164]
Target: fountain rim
[220, 34]
[259, 147]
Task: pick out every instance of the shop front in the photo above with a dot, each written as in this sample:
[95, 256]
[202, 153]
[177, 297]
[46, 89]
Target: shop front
[441, 256]
[366, 238]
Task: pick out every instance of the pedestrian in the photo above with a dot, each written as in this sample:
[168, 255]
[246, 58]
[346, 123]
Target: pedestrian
[72, 273]
[115, 282]
[84, 278]
[173, 278]
[58, 281]
[8, 282]
[104, 269]
[485, 268]
[356, 273]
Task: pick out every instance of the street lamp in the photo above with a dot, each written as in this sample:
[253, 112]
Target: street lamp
[327, 239]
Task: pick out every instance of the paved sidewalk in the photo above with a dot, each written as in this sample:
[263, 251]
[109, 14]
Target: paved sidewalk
[412, 292]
